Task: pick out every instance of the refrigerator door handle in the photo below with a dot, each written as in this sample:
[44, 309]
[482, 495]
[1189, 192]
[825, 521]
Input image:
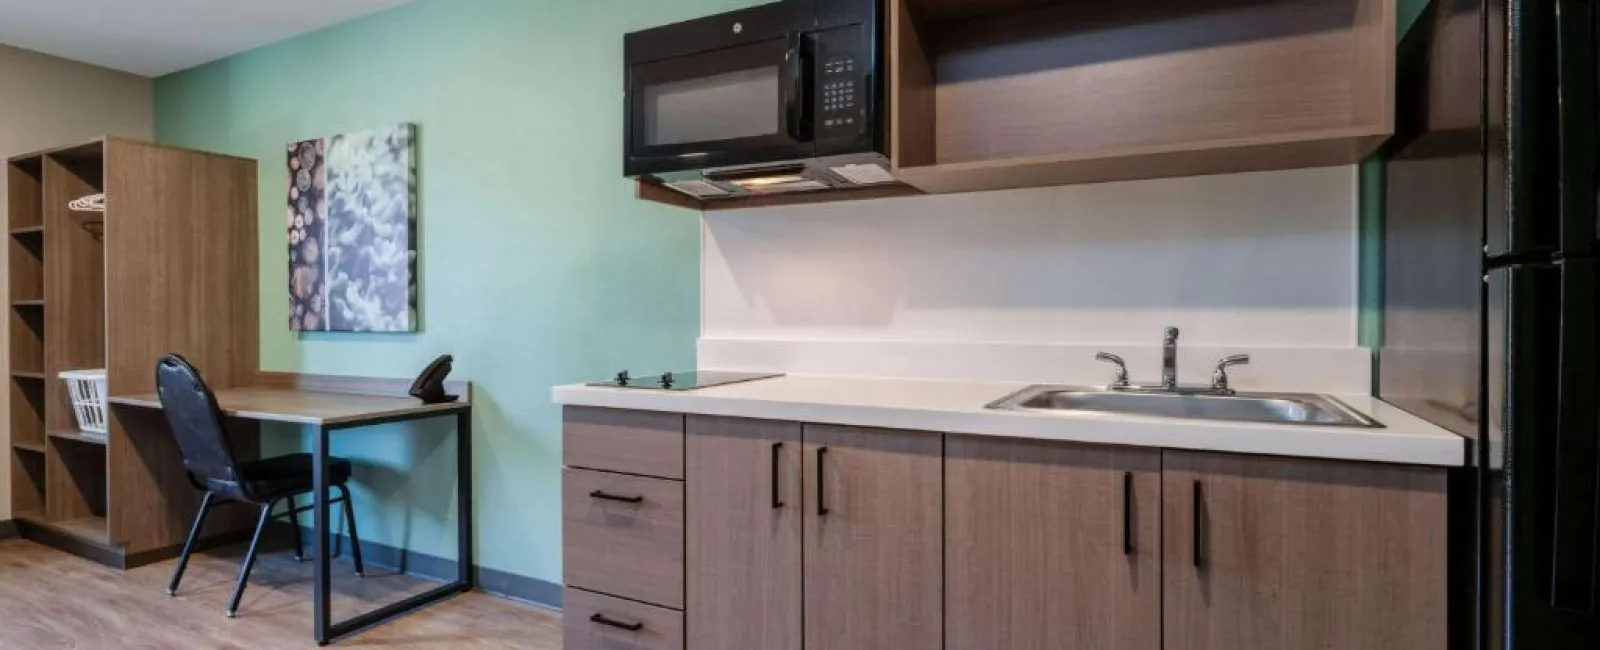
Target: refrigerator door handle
[1577, 461]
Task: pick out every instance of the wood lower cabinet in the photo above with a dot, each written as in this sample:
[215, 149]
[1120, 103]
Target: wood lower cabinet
[1297, 554]
[873, 539]
[1051, 546]
[791, 536]
[743, 527]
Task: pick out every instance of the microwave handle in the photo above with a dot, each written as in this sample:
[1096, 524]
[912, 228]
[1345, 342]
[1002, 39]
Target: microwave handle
[797, 107]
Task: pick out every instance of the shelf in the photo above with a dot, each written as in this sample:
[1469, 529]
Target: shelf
[990, 94]
[1282, 151]
[79, 436]
[37, 448]
[27, 374]
[28, 230]
[32, 302]
[93, 530]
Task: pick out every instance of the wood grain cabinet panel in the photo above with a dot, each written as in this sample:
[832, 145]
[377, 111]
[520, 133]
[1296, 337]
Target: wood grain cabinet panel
[646, 443]
[1302, 554]
[743, 534]
[1051, 546]
[592, 621]
[623, 535]
[873, 539]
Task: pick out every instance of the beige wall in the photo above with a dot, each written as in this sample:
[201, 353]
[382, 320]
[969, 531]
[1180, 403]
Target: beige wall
[47, 102]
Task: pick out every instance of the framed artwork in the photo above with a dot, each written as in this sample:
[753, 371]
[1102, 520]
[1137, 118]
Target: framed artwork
[353, 232]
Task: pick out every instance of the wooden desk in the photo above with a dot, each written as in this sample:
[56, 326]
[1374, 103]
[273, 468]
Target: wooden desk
[331, 404]
[296, 406]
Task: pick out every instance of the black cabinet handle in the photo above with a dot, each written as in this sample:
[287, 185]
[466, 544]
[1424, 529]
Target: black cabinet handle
[822, 492]
[1199, 516]
[601, 494]
[1127, 513]
[777, 451]
[611, 622]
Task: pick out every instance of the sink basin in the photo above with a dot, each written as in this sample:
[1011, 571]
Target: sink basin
[1276, 408]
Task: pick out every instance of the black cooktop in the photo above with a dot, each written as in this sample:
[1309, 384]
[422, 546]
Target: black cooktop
[684, 380]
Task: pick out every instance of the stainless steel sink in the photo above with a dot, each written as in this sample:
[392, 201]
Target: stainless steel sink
[1277, 408]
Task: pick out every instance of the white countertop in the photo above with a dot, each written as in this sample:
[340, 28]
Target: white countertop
[959, 407]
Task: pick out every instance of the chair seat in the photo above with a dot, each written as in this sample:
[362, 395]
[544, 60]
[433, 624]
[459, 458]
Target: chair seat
[274, 478]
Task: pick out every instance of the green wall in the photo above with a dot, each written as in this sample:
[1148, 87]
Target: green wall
[538, 267]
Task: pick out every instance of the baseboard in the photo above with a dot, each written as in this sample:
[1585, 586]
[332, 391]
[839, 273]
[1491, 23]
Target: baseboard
[8, 529]
[114, 557]
[60, 541]
[490, 581]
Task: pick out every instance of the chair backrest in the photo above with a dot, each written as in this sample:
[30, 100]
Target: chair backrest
[196, 422]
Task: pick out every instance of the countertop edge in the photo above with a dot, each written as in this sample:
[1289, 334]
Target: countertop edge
[1384, 446]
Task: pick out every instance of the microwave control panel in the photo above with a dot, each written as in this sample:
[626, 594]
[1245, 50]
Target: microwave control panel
[843, 66]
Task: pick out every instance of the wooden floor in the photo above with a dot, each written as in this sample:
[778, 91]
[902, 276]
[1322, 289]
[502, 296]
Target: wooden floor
[51, 600]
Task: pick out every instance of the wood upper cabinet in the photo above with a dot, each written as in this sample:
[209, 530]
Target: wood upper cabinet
[1051, 546]
[873, 539]
[1289, 554]
[743, 537]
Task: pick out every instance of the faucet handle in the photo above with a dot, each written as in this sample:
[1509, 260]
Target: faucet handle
[1219, 379]
[1170, 335]
[1120, 379]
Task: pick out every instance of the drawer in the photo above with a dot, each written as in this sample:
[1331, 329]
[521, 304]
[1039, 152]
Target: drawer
[631, 548]
[646, 443]
[582, 614]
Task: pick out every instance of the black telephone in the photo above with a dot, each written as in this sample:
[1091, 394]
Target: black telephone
[429, 386]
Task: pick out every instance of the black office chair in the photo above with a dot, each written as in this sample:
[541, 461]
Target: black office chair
[191, 410]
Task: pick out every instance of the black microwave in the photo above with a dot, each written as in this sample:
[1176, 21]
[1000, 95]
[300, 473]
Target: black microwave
[782, 97]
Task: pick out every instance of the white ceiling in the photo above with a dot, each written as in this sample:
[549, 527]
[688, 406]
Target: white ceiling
[155, 37]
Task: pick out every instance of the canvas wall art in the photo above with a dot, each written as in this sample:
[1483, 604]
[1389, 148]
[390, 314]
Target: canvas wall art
[353, 232]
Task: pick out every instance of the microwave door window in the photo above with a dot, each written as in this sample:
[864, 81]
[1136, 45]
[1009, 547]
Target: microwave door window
[727, 106]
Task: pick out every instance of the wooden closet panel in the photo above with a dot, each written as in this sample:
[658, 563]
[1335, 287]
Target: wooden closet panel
[181, 250]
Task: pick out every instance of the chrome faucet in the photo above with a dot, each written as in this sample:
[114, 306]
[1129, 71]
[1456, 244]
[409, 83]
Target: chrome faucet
[1120, 379]
[1219, 378]
[1169, 360]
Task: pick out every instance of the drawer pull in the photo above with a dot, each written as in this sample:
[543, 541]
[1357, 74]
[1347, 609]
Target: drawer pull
[777, 455]
[611, 622]
[602, 494]
[1199, 521]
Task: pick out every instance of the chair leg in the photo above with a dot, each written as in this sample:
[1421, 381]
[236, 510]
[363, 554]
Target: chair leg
[294, 526]
[355, 539]
[188, 546]
[249, 561]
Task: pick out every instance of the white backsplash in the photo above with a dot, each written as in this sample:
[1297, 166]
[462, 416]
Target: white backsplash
[1027, 284]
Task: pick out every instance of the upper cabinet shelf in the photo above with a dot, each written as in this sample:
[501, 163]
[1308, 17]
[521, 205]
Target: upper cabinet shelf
[996, 94]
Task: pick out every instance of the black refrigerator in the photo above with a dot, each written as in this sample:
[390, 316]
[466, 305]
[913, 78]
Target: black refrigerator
[1491, 288]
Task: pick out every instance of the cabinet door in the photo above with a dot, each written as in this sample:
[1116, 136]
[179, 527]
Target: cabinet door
[1051, 546]
[743, 539]
[873, 539]
[1302, 554]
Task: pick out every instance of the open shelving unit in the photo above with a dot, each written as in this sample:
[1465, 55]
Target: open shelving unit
[57, 294]
[160, 270]
[998, 94]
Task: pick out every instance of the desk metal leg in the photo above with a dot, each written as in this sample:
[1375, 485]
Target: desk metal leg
[464, 499]
[322, 595]
[326, 629]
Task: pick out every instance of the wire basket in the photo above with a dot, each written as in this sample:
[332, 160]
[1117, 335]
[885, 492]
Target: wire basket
[87, 391]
